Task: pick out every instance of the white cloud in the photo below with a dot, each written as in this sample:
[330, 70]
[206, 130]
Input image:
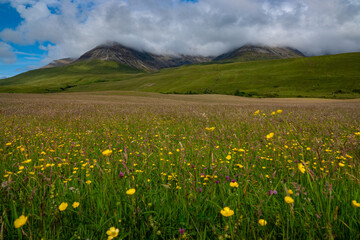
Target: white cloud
[208, 27]
[7, 55]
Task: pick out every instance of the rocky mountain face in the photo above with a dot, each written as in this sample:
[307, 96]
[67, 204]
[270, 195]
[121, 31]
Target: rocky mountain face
[59, 62]
[152, 62]
[137, 59]
[256, 52]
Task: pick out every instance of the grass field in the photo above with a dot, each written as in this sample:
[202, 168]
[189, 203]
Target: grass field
[333, 76]
[127, 165]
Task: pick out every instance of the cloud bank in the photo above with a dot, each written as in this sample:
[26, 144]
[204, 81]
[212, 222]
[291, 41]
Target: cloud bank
[204, 27]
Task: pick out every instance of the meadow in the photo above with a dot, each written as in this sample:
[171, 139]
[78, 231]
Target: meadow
[126, 165]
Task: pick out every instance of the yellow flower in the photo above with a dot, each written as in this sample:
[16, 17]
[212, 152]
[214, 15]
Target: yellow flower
[239, 165]
[131, 191]
[210, 129]
[273, 113]
[262, 222]
[279, 111]
[270, 135]
[228, 157]
[355, 204]
[234, 184]
[8, 144]
[301, 167]
[341, 165]
[75, 204]
[357, 133]
[63, 206]
[289, 200]
[88, 182]
[290, 191]
[227, 212]
[107, 152]
[20, 221]
[112, 232]
[257, 112]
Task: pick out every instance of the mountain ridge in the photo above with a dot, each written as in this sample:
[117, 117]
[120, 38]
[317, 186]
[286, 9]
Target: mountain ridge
[146, 61]
[141, 60]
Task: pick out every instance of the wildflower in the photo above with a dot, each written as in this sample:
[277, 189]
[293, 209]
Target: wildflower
[357, 133]
[279, 111]
[75, 204]
[20, 221]
[112, 233]
[239, 165]
[341, 165]
[301, 167]
[131, 191]
[289, 199]
[262, 222]
[227, 212]
[88, 182]
[228, 157]
[270, 135]
[8, 144]
[63, 206]
[273, 113]
[234, 184]
[257, 112]
[107, 152]
[355, 204]
[182, 231]
[210, 129]
[271, 192]
[121, 175]
[290, 191]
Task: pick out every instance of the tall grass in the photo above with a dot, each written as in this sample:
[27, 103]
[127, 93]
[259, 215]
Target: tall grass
[180, 157]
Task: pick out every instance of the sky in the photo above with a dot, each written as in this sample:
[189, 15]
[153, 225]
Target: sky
[33, 32]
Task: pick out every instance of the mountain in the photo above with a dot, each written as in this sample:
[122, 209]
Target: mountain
[59, 62]
[139, 59]
[258, 52]
[150, 62]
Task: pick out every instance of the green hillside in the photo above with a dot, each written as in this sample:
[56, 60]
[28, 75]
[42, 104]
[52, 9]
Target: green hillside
[333, 76]
[62, 78]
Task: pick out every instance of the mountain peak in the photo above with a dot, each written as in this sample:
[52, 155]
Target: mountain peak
[113, 51]
[250, 52]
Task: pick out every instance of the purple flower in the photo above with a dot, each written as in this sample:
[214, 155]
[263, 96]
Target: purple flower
[182, 231]
[233, 180]
[217, 181]
[200, 190]
[271, 192]
[227, 178]
[121, 175]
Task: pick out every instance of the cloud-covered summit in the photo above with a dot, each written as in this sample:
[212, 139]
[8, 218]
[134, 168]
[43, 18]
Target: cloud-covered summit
[203, 27]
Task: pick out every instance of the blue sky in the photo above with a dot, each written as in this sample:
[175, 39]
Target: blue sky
[27, 57]
[35, 32]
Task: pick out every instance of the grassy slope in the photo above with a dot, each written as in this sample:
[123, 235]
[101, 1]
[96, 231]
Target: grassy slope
[65, 77]
[325, 76]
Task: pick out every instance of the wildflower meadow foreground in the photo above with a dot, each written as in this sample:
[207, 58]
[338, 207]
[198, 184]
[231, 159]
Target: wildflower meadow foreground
[81, 166]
